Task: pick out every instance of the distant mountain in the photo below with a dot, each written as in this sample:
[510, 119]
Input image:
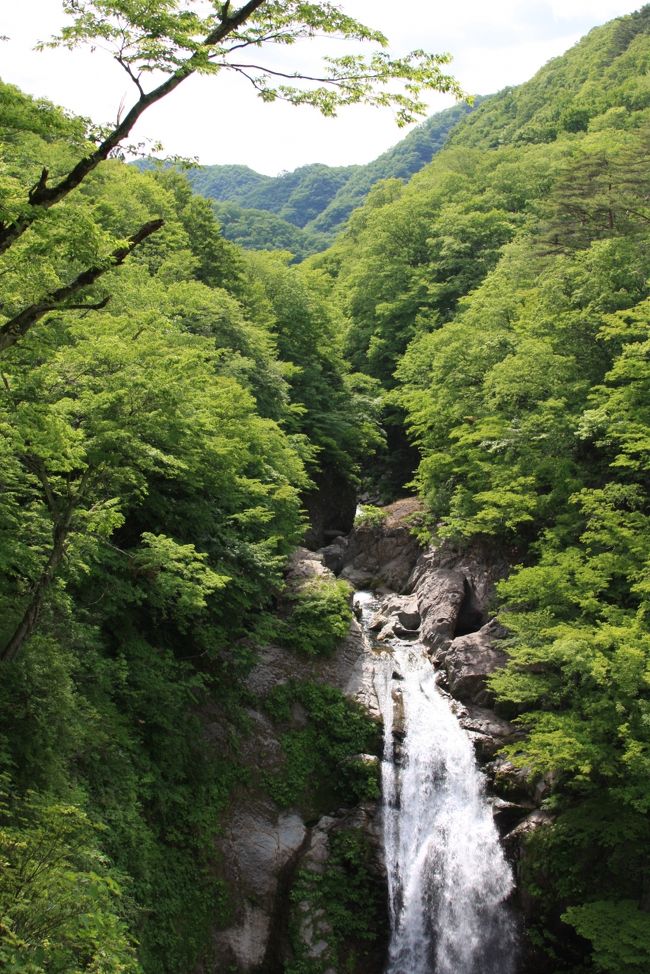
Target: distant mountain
[303, 211]
[262, 230]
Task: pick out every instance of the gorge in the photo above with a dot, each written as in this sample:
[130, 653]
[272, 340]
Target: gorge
[194, 726]
[435, 870]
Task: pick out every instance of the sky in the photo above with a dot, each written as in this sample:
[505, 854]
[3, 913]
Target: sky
[220, 119]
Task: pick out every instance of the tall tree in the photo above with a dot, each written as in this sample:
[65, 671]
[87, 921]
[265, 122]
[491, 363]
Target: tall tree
[181, 38]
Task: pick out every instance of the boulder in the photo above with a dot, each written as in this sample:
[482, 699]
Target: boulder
[382, 556]
[508, 815]
[440, 595]
[488, 731]
[333, 555]
[515, 840]
[468, 661]
[305, 566]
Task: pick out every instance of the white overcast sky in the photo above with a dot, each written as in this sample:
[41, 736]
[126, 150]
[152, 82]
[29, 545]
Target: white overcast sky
[220, 120]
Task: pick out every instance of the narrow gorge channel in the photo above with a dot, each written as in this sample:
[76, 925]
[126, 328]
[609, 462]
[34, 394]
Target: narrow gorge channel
[448, 879]
[420, 875]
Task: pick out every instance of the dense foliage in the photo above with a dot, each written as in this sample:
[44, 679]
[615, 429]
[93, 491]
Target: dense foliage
[503, 298]
[347, 900]
[325, 764]
[155, 450]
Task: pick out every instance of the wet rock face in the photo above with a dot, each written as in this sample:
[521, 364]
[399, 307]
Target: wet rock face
[261, 848]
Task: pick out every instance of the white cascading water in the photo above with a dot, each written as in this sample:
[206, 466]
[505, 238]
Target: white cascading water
[448, 880]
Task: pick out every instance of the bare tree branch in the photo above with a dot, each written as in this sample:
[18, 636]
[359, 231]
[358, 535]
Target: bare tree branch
[18, 326]
[43, 196]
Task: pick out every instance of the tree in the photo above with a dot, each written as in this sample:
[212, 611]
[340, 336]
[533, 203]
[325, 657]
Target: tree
[178, 38]
[183, 37]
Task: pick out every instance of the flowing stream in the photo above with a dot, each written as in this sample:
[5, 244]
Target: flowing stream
[448, 880]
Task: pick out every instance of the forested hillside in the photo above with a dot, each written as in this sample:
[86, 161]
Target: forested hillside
[172, 406]
[502, 297]
[154, 454]
[302, 211]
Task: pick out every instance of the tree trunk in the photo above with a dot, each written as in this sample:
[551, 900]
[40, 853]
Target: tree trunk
[29, 620]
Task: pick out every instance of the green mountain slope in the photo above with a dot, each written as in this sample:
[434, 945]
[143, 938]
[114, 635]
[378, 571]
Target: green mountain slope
[316, 199]
[601, 83]
[263, 230]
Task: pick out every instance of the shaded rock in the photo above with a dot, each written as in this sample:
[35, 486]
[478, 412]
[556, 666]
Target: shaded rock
[334, 555]
[514, 841]
[516, 783]
[330, 506]
[468, 662]
[384, 555]
[516, 845]
[409, 619]
[507, 815]
[509, 781]
[401, 633]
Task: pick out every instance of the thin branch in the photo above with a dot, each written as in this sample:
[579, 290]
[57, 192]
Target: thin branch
[44, 196]
[135, 78]
[18, 326]
[298, 76]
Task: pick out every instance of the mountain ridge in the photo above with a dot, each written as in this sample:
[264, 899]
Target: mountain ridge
[304, 210]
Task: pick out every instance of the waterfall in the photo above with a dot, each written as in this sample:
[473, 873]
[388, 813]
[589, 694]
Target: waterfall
[448, 879]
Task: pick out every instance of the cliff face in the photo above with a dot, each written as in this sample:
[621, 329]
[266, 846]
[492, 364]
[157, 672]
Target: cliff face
[273, 859]
[276, 860]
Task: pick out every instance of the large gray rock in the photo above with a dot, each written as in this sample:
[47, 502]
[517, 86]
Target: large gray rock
[382, 556]
[468, 661]
[489, 732]
[306, 566]
[256, 847]
[397, 616]
[441, 593]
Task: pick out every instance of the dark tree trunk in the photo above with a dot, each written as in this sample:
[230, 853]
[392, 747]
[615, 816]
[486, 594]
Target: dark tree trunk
[29, 620]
